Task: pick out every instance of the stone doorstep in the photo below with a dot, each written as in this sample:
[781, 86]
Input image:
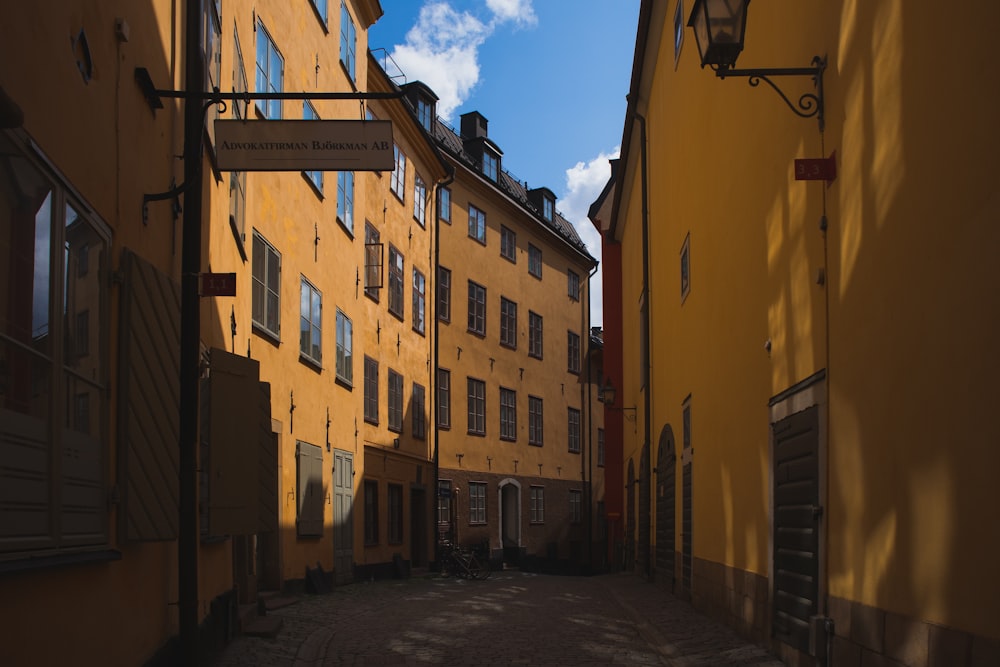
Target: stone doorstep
[276, 599]
[263, 626]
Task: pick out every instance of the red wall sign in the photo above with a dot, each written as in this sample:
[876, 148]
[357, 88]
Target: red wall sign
[218, 284]
[817, 169]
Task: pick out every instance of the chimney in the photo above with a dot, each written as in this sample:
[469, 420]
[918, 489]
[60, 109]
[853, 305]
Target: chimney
[473, 126]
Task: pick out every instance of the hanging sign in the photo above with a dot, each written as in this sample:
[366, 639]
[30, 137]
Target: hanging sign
[817, 169]
[304, 145]
[218, 284]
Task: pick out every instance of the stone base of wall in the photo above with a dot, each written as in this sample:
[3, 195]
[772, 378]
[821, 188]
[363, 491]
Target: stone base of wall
[736, 597]
[870, 636]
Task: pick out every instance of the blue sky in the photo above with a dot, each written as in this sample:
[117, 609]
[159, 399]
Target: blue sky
[550, 76]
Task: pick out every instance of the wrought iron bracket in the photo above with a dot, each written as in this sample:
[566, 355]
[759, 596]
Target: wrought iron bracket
[808, 105]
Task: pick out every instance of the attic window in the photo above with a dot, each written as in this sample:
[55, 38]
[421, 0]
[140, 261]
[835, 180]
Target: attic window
[548, 208]
[491, 164]
[424, 113]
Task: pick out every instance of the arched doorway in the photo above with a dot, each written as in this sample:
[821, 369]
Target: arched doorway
[666, 499]
[510, 520]
[630, 518]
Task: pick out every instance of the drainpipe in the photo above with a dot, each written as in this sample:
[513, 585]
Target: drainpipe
[588, 473]
[647, 369]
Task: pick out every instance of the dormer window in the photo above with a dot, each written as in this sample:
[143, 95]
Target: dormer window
[491, 163]
[548, 208]
[424, 114]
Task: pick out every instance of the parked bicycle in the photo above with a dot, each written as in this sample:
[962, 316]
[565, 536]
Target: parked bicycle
[463, 563]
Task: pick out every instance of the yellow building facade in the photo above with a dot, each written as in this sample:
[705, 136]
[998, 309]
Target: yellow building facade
[819, 363]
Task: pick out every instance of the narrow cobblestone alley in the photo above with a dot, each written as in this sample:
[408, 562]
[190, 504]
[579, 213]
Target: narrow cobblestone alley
[513, 618]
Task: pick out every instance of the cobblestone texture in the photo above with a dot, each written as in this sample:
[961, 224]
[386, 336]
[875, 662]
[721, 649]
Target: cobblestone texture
[513, 618]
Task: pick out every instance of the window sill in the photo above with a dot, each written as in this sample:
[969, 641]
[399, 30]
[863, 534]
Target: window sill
[40, 562]
[536, 444]
[311, 363]
[267, 334]
[477, 334]
[345, 383]
[475, 434]
[347, 229]
[317, 190]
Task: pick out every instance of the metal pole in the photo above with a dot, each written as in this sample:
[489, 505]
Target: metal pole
[187, 543]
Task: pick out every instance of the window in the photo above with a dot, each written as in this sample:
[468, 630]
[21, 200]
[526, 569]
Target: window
[212, 55]
[373, 262]
[535, 421]
[686, 422]
[320, 7]
[575, 505]
[418, 408]
[537, 514]
[573, 352]
[348, 40]
[395, 401]
[444, 502]
[573, 284]
[238, 179]
[270, 73]
[345, 358]
[477, 309]
[395, 282]
[395, 514]
[371, 390]
[490, 164]
[678, 31]
[477, 502]
[424, 113]
[310, 496]
[420, 201]
[573, 423]
[548, 208]
[508, 323]
[311, 329]
[685, 267]
[53, 404]
[81, 334]
[477, 224]
[534, 261]
[477, 406]
[508, 414]
[345, 200]
[508, 243]
[419, 300]
[314, 177]
[600, 448]
[266, 287]
[534, 335]
[444, 398]
[398, 181]
[444, 294]
[444, 205]
[371, 512]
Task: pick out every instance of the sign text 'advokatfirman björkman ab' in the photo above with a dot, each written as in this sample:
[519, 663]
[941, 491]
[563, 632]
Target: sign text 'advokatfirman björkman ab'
[304, 145]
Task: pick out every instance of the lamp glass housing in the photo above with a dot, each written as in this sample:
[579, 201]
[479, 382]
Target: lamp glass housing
[719, 28]
[608, 394]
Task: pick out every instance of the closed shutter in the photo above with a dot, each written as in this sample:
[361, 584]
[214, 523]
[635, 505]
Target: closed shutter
[149, 401]
[310, 490]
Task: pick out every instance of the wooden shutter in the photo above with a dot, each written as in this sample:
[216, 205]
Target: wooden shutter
[310, 490]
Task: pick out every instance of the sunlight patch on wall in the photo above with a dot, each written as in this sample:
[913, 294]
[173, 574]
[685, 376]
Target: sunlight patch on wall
[848, 26]
[932, 499]
[727, 515]
[852, 181]
[887, 107]
[847, 498]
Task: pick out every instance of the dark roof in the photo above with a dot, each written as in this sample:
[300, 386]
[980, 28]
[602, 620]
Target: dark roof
[451, 142]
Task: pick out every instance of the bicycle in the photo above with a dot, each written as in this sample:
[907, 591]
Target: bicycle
[463, 564]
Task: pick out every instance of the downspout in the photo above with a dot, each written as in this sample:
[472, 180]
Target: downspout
[445, 182]
[647, 369]
[588, 472]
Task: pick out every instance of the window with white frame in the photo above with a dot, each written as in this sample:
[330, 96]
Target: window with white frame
[491, 163]
[444, 205]
[477, 224]
[424, 112]
[573, 352]
[395, 282]
[374, 251]
[395, 401]
[314, 177]
[573, 428]
[548, 208]
[345, 200]
[508, 414]
[477, 309]
[508, 323]
[537, 506]
[397, 182]
[508, 243]
[534, 261]
[535, 421]
[320, 7]
[444, 502]
[266, 276]
[573, 284]
[348, 41]
[345, 356]
[444, 398]
[419, 301]
[420, 201]
[477, 502]
[534, 335]
[311, 318]
[371, 390]
[477, 406]
[575, 506]
[270, 73]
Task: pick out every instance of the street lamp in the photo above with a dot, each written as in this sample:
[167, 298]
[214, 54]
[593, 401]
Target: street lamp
[607, 394]
[719, 29]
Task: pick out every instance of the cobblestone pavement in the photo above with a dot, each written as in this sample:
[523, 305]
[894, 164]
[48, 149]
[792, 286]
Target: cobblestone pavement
[513, 618]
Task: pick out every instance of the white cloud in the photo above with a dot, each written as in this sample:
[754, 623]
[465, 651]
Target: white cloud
[442, 49]
[584, 182]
